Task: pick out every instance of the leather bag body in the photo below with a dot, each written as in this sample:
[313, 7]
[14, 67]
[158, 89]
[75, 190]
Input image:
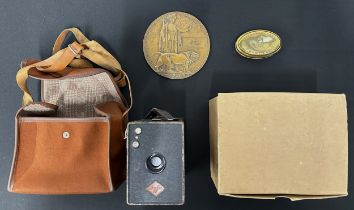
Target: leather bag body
[72, 141]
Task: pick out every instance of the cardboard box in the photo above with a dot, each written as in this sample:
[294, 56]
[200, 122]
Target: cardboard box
[268, 145]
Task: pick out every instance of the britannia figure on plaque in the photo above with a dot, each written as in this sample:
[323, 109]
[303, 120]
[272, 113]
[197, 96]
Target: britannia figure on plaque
[170, 35]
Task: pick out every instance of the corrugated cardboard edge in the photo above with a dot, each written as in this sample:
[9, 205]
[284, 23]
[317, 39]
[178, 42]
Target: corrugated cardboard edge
[290, 197]
[213, 128]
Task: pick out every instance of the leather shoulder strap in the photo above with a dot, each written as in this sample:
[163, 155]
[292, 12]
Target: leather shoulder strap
[61, 58]
[92, 51]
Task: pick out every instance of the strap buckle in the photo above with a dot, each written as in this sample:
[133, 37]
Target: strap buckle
[74, 49]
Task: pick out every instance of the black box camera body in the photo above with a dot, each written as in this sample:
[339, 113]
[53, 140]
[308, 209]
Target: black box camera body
[155, 160]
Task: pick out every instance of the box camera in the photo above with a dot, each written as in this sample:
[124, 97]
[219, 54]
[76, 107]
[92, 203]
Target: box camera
[155, 160]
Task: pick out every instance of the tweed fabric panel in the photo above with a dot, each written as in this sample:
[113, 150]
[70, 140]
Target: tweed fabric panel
[76, 97]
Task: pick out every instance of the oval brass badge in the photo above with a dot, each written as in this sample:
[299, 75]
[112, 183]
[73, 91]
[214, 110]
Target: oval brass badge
[176, 45]
[258, 44]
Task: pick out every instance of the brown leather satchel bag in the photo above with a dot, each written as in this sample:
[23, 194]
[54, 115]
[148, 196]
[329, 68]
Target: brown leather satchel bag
[72, 141]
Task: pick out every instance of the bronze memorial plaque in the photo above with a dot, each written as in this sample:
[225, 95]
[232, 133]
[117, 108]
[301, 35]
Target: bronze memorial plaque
[176, 45]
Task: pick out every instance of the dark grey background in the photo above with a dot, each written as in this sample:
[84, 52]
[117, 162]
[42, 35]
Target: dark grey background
[318, 56]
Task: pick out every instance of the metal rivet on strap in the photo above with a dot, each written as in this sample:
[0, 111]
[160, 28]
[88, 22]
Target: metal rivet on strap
[66, 135]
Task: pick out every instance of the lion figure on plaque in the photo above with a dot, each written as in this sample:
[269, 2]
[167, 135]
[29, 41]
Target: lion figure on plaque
[173, 61]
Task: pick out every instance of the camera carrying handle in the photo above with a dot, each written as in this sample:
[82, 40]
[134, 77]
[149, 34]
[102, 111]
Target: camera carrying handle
[158, 114]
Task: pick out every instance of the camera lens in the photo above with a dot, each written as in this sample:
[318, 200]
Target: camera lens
[156, 163]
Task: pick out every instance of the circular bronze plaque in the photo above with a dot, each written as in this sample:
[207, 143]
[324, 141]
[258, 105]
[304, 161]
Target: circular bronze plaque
[176, 45]
[258, 44]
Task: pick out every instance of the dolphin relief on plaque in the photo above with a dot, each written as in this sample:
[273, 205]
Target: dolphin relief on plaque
[176, 45]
